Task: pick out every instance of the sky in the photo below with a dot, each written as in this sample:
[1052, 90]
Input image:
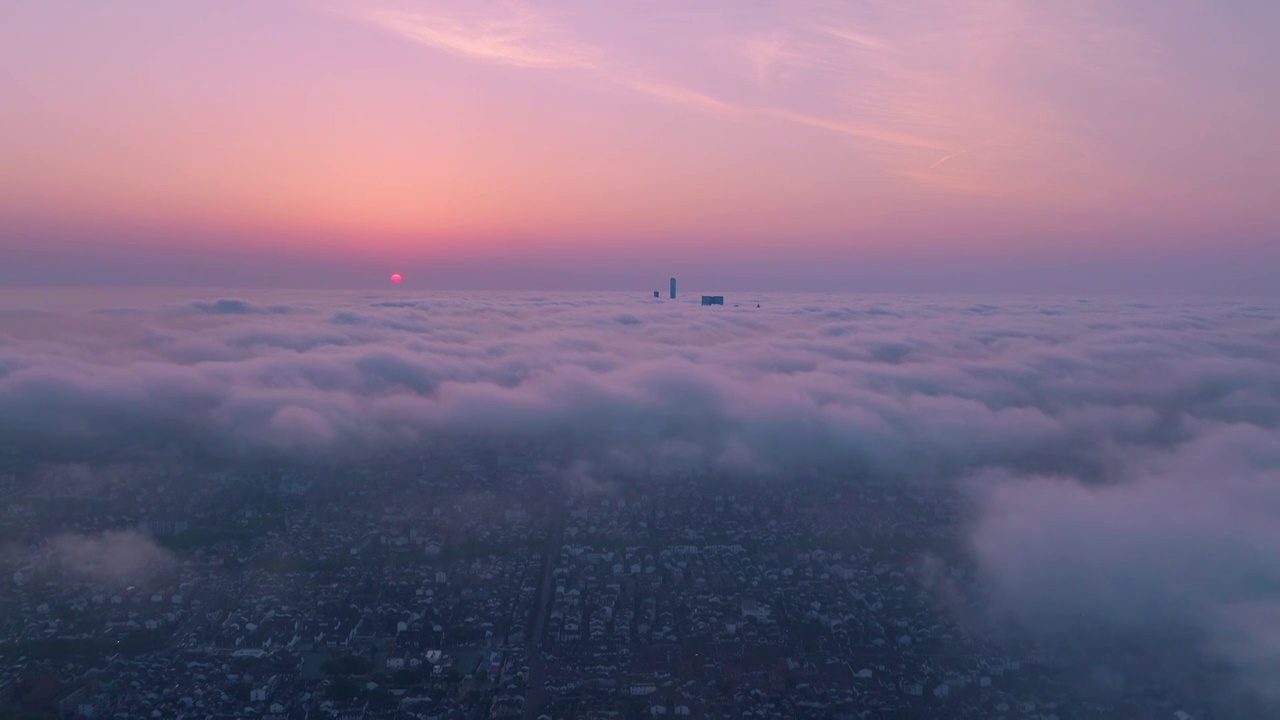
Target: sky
[1118, 461]
[865, 145]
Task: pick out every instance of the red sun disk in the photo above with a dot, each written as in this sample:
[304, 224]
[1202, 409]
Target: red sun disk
[395, 277]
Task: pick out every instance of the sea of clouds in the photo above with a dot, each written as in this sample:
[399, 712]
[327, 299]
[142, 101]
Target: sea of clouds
[1121, 458]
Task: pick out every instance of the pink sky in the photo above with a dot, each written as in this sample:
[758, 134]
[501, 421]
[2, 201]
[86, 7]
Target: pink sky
[342, 138]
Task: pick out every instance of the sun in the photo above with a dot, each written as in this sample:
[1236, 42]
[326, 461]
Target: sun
[395, 278]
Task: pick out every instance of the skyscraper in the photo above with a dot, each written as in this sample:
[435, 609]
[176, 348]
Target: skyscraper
[673, 288]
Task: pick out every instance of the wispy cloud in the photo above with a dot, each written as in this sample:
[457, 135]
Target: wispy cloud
[918, 86]
[855, 37]
[856, 130]
[679, 95]
[765, 54]
[521, 36]
[945, 158]
[779, 58]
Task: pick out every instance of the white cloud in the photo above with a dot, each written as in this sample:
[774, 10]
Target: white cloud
[1122, 456]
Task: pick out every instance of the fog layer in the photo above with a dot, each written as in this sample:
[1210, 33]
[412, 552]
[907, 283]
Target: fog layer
[1122, 458]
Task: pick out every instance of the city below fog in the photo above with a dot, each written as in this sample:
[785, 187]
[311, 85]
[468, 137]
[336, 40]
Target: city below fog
[413, 505]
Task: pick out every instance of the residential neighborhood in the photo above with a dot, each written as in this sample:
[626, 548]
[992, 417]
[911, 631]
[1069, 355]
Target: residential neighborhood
[482, 590]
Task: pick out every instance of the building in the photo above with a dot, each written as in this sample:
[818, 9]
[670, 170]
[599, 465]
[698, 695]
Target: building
[164, 526]
[673, 288]
[34, 695]
[711, 299]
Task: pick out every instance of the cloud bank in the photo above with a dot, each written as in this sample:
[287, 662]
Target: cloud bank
[1121, 457]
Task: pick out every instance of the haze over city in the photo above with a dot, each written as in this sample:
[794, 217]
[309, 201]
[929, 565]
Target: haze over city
[416, 359]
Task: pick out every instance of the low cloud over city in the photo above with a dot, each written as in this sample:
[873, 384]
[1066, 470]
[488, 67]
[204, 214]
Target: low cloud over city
[1119, 460]
[110, 559]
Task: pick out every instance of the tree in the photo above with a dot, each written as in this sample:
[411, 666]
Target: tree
[343, 690]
